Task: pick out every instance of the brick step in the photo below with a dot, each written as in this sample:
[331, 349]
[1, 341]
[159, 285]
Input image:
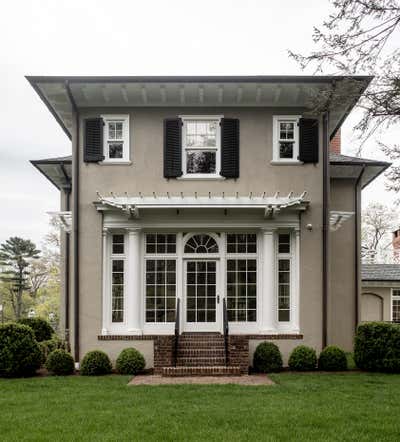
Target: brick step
[201, 346]
[201, 339]
[201, 352]
[220, 370]
[200, 361]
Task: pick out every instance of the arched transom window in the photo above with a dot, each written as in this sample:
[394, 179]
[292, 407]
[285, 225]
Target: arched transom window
[201, 243]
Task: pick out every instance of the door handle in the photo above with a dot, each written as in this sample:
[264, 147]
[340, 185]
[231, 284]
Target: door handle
[217, 299]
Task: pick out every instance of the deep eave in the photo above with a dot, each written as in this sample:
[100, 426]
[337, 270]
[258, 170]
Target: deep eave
[61, 94]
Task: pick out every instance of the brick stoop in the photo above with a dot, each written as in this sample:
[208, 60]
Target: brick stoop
[201, 371]
[201, 354]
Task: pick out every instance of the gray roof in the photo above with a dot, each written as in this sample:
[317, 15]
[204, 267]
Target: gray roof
[347, 160]
[380, 272]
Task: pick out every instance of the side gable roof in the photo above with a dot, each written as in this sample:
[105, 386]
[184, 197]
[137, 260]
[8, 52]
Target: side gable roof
[380, 272]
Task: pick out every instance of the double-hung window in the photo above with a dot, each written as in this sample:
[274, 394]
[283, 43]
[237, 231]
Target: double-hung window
[201, 146]
[116, 138]
[396, 305]
[284, 277]
[285, 138]
[117, 278]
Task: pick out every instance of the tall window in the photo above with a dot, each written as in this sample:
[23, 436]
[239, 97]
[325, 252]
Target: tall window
[117, 278]
[201, 146]
[160, 277]
[116, 138]
[285, 138]
[284, 277]
[241, 280]
[396, 305]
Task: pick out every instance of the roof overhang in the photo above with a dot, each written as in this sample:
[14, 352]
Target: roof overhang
[57, 170]
[369, 170]
[313, 94]
[270, 205]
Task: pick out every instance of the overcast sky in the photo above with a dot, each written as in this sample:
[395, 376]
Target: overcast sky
[76, 37]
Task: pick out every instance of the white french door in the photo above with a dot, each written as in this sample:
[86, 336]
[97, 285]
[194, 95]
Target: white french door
[201, 296]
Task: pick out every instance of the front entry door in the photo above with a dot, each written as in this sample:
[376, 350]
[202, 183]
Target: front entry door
[201, 297]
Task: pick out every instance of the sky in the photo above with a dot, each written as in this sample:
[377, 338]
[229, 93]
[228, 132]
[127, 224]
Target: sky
[132, 37]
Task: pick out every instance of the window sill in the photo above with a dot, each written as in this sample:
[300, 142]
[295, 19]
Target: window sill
[201, 177]
[286, 162]
[115, 163]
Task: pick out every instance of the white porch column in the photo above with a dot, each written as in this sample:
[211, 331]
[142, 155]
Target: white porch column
[133, 282]
[296, 283]
[106, 298]
[269, 310]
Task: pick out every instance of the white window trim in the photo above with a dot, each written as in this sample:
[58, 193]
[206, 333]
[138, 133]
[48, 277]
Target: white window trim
[201, 176]
[125, 139]
[256, 327]
[110, 327]
[393, 298]
[275, 139]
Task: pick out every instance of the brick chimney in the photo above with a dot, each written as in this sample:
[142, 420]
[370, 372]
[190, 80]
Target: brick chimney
[335, 144]
[396, 245]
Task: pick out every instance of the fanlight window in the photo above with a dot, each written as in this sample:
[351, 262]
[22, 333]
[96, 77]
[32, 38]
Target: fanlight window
[201, 244]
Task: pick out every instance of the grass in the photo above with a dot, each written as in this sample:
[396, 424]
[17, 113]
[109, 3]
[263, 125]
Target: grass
[300, 407]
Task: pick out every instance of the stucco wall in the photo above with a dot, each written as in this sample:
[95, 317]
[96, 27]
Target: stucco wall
[145, 174]
[376, 303]
[342, 299]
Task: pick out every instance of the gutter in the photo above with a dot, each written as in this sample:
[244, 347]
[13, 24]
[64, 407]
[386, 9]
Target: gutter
[325, 227]
[357, 208]
[75, 221]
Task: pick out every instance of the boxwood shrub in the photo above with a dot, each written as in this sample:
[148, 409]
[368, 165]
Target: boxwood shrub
[60, 363]
[303, 358]
[377, 347]
[267, 358]
[20, 354]
[41, 328]
[130, 361]
[50, 345]
[332, 358]
[95, 363]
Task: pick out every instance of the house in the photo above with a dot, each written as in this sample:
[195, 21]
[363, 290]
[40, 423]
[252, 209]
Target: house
[380, 292]
[204, 215]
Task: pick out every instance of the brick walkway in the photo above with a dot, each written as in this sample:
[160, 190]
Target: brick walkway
[257, 379]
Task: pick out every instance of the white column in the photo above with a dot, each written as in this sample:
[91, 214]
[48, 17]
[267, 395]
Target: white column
[133, 282]
[106, 296]
[296, 283]
[268, 324]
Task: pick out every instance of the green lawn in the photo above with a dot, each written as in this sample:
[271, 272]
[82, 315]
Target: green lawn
[301, 407]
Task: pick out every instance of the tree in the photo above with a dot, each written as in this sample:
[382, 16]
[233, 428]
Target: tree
[377, 225]
[359, 36]
[16, 257]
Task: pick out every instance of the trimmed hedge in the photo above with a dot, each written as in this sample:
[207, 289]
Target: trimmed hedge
[130, 361]
[60, 363]
[95, 363]
[377, 347]
[41, 328]
[52, 344]
[267, 358]
[332, 358]
[303, 358]
[20, 354]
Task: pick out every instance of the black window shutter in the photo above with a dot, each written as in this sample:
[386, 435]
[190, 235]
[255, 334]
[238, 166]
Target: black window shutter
[230, 147]
[93, 150]
[309, 146]
[172, 147]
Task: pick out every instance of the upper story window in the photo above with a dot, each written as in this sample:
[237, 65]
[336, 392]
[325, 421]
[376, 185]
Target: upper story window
[201, 146]
[285, 138]
[116, 138]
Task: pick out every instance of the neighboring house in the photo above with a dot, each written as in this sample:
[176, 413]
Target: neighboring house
[219, 193]
[380, 297]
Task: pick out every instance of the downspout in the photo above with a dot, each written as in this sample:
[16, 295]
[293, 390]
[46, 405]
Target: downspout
[75, 221]
[357, 209]
[67, 191]
[325, 228]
